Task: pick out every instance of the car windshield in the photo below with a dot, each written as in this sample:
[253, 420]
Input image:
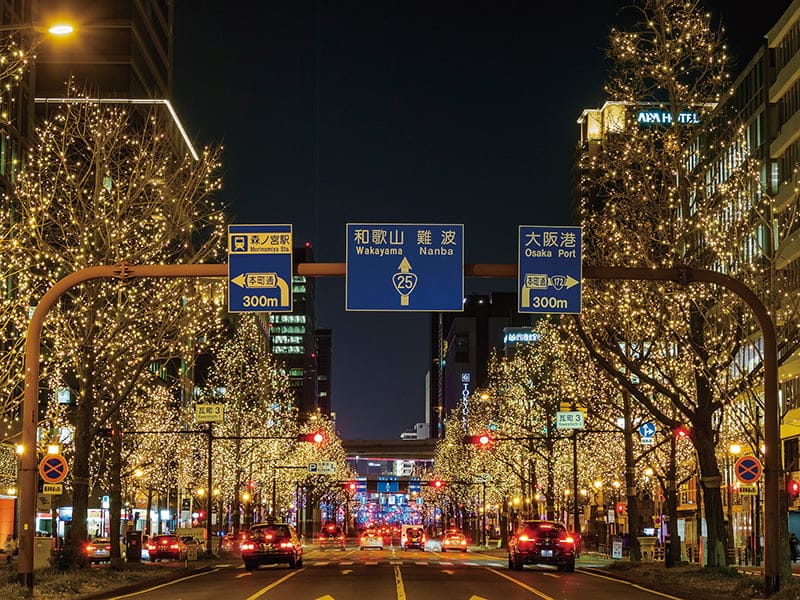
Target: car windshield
[547, 530]
[271, 532]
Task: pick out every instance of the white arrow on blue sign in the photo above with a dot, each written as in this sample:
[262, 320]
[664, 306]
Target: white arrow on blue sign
[647, 430]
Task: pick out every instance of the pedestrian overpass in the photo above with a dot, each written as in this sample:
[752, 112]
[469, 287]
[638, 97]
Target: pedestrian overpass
[390, 449]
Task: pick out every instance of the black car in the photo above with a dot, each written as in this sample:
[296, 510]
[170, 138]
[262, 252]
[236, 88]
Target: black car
[541, 543]
[272, 543]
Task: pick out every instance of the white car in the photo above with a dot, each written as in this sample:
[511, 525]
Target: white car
[433, 545]
[371, 539]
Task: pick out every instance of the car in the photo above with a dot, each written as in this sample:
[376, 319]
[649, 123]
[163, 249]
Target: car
[272, 543]
[98, 550]
[433, 545]
[541, 542]
[331, 536]
[412, 536]
[454, 540]
[166, 547]
[371, 538]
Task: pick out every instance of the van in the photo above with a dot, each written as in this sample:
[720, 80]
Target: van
[412, 536]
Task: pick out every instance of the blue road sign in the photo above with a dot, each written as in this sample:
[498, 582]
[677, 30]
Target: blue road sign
[405, 268]
[549, 269]
[259, 268]
[388, 484]
[647, 430]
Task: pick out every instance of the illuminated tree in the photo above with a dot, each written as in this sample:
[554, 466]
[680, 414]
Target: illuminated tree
[259, 416]
[683, 194]
[106, 184]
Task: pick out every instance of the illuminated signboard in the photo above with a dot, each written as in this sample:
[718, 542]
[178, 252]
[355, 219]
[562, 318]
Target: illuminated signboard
[515, 336]
[664, 117]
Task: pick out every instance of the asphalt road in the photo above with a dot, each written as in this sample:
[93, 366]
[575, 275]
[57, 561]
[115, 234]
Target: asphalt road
[392, 574]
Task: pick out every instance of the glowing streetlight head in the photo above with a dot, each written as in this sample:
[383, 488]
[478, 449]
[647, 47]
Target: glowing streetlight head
[60, 29]
[735, 449]
[19, 449]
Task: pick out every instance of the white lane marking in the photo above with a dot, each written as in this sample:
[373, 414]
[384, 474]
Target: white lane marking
[163, 585]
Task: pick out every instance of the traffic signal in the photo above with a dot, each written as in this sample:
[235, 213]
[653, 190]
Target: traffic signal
[315, 437]
[437, 484]
[621, 508]
[681, 432]
[483, 440]
[793, 488]
[350, 486]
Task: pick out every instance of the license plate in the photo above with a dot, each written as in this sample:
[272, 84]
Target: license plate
[547, 553]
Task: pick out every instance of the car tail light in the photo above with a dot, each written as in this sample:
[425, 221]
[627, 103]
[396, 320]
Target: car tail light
[523, 538]
[567, 540]
[248, 546]
[287, 545]
[90, 548]
[463, 542]
[151, 546]
[174, 546]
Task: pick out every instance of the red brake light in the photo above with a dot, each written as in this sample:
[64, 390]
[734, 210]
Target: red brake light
[89, 547]
[523, 538]
[568, 540]
[248, 546]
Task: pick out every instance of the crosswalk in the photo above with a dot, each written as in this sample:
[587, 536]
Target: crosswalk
[399, 562]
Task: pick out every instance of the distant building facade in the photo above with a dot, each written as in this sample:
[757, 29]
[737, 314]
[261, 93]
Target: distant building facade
[461, 345]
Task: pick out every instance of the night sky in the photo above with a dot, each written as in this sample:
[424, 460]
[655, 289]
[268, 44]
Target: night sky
[413, 112]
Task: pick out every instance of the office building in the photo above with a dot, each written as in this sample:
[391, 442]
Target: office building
[461, 345]
[293, 341]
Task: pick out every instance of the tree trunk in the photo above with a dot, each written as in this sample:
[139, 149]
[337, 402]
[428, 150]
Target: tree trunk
[630, 481]
[147, 525]
[115, 496]
[80, 479]
[673, 555]
[711, 480]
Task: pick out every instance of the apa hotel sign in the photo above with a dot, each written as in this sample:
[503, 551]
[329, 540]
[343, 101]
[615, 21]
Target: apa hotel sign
[664, 117]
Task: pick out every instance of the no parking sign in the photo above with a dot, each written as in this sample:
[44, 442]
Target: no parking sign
[748, 469]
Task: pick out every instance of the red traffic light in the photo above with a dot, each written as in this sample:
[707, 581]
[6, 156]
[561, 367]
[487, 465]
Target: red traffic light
[793, 487]
[484, 440]
[315, 437]
[681, 432]
[437, 483]
[621, 508]
[351, 486]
